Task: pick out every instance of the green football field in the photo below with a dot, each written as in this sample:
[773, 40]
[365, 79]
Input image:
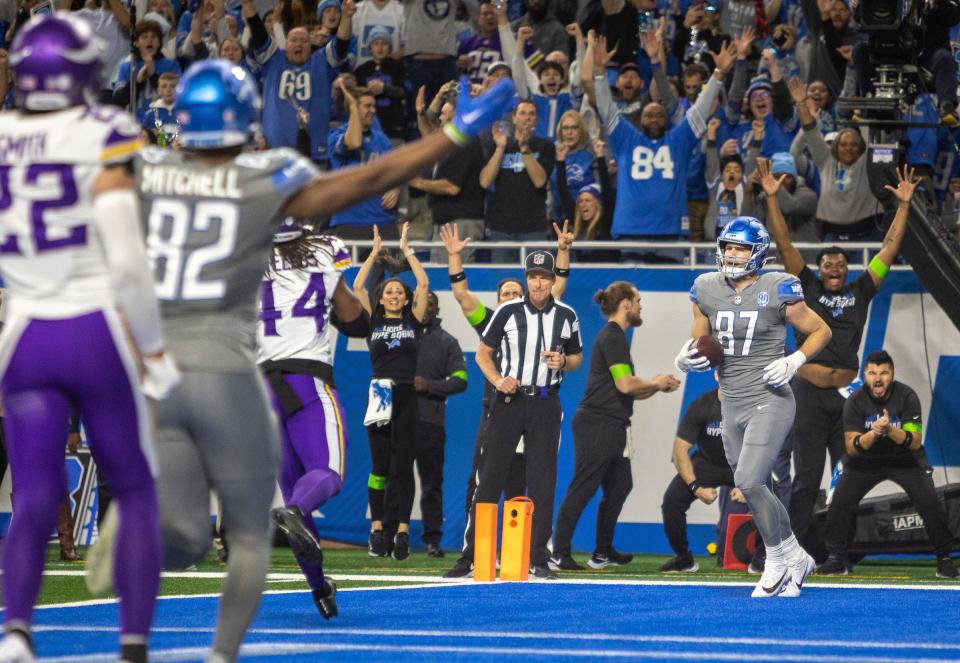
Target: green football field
[354, 568]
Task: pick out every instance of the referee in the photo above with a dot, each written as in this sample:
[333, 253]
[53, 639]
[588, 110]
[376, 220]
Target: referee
[601, 453]
[539, 338]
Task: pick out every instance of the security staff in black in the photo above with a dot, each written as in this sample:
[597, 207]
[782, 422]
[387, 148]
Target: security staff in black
[441, 372]
[600, 426]
[539, 338]
[479, 315]
[884, 431]
[843, 306]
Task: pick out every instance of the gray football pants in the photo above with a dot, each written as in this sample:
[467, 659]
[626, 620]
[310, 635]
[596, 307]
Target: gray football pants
[217, 431]
[754, 432]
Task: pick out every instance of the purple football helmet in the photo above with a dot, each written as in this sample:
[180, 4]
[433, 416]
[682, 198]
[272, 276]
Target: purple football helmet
[56, 60]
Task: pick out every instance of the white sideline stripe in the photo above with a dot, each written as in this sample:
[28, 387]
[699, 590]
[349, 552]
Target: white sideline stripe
[109, 601]
[508, 635]
[261, 649]
[437, 580]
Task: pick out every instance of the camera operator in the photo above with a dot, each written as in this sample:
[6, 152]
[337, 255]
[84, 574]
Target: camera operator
[883, 431]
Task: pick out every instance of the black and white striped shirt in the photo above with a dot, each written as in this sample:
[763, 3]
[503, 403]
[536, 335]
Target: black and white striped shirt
[521, 332]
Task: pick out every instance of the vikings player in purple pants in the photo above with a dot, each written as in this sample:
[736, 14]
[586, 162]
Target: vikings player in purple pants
[72, 257]
[301, 297]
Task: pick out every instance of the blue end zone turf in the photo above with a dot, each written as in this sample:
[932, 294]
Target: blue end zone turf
[544, 621]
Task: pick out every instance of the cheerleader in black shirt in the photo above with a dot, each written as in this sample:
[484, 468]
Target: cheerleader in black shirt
[396, 315]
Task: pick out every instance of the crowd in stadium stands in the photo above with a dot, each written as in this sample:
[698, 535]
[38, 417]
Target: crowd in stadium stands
[345, 82]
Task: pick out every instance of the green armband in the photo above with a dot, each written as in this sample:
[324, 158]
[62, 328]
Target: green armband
[459, 374]
[376, 482]
[478, 316]
[878, 267]
[913, 427]
[618, 371]
[455, 134]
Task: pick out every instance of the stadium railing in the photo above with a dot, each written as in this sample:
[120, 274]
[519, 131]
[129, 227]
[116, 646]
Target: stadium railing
[699, 255]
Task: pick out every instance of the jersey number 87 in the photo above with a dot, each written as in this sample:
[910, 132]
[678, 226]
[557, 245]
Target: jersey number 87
[724, 325]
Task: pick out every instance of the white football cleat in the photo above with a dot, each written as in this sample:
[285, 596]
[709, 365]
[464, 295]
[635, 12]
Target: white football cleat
[775, 577]
[798, 573]
[14, 649]
[99, 575]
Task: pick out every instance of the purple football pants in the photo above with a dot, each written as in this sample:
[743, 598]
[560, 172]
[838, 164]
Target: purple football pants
[51, 365]
[314, 447]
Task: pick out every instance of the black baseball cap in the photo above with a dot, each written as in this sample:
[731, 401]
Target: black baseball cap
[539, 261]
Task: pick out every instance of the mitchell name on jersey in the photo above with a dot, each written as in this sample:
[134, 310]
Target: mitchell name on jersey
[172, 181]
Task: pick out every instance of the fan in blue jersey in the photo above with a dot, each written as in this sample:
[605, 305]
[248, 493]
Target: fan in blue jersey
[551, 100]
[651, 179]
[296, 81]
[748, 312]
[769, 101]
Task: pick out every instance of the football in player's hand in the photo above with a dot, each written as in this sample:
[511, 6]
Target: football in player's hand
[709, 347]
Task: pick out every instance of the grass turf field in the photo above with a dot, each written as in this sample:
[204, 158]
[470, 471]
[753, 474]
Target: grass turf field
[64, 581]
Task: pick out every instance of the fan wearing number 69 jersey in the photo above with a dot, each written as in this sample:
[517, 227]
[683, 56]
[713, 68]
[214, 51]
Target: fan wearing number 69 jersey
[211, 210]
[748, 313]
[302, 296]
[76, 275]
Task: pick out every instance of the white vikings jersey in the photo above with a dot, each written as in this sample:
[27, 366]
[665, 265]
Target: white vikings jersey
[51, 256]
[295, 304]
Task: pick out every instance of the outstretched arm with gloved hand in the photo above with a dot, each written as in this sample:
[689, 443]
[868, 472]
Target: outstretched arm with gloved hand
[343, 188]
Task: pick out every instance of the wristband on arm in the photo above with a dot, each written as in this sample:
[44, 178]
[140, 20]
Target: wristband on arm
[693, 486]
[858, 446]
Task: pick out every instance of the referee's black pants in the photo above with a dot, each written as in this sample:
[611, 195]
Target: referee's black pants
[818, 429]
[678, 498]
[516, 482]
[538, 421]
[599, 443]
[855, 482]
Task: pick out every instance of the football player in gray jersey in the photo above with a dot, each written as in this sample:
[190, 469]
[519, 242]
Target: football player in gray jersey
[211, 210]
[747, 312]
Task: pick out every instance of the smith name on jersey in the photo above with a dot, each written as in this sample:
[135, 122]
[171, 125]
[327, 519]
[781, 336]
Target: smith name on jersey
[53, 262]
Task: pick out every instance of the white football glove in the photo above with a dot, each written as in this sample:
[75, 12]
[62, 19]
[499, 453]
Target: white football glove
[689, 360]
[161, 376]
[780, 371]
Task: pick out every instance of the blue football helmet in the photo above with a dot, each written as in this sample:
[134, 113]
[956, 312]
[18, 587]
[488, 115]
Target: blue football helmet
[217, 105]
[746, 231]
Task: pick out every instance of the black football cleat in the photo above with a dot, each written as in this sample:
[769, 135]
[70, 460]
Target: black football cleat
[325, 599]
[304, 544]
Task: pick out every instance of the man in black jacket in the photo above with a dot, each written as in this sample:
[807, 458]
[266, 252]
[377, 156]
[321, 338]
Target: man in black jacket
[441, 372]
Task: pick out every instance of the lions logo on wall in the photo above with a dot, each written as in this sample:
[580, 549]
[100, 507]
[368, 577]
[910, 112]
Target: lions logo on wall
[438, 10]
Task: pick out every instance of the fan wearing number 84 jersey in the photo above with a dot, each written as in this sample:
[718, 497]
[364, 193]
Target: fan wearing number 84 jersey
[211, 210]
[653, 161]
[747, 312]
